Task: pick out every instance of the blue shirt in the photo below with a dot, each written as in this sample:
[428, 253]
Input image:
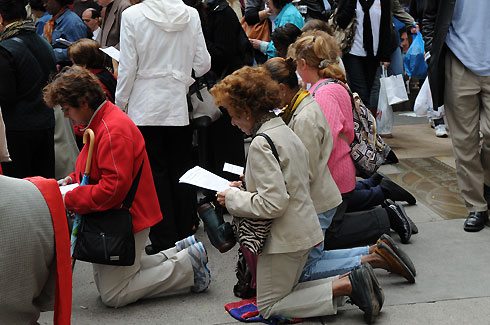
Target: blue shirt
[288, 14]
[41, 22]
[467, 35]
[69, 27]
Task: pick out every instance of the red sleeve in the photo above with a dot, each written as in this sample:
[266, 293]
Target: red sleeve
[114, 159]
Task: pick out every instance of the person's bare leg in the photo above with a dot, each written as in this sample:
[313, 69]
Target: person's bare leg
[341, 287]
[376, 261]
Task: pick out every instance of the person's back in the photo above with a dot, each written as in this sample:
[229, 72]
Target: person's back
[166, 55]
[31, 64]
[26, 62]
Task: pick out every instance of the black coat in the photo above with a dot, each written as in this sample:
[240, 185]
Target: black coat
[26, 63]
[222, 30]
[437, 18]
[346, 9]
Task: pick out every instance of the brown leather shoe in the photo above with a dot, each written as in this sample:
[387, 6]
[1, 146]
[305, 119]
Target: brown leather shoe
[395, 264]
[398, 251]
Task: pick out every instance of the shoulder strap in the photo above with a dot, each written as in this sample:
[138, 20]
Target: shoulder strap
[271, 144]
[326, 82]
[128, 201]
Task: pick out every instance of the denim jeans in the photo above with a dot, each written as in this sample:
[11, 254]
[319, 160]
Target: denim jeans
[323, 264]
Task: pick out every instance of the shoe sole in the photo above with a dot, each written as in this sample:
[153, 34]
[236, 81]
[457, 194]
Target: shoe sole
[389, 255]
[378, 291]
[398, 251]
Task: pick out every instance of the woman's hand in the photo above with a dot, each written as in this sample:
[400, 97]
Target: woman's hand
[236, 184]
[255, 43]
[264, 14]
[65, 181]
[385, 64]
[220, 197]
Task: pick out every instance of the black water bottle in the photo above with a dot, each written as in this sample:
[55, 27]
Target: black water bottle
[219, 232]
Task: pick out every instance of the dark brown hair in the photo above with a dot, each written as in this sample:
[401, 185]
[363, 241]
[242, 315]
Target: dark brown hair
[85, 52]
[248, 88]
[317, 24]
[283, 71]
[74, 86]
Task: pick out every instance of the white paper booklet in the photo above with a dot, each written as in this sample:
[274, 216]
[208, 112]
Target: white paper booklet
[234, 169]
[67, 188]
[112, 52]
[200, 177]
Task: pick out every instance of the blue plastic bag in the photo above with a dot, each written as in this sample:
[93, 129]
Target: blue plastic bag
[414, 62]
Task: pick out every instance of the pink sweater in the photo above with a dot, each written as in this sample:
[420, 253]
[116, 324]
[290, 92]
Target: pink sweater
[336, 105]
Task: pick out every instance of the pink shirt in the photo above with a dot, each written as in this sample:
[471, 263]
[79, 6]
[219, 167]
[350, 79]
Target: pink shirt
[336, 105]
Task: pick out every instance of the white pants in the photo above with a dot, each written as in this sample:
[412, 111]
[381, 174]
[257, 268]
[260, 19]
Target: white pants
[168, 272]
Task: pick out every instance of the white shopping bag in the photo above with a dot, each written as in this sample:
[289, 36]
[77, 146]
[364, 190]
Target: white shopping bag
[384, 116]
[395, 88]
[4, 153]
[423, 102]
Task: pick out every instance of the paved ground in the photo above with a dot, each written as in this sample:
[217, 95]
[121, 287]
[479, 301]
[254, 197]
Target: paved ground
[453, 285]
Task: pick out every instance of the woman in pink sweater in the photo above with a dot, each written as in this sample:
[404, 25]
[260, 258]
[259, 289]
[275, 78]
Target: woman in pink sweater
[333, 98]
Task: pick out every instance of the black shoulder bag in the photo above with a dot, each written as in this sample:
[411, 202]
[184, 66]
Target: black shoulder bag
[106, 237]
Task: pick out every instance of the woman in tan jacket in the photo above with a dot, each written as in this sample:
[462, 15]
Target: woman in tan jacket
[277, 200]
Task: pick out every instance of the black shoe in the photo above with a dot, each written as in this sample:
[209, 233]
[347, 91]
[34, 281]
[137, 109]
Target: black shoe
[415, 230]
[363, 294]
[395, 192]
[398, 220]
[378, 291]
[476, 221]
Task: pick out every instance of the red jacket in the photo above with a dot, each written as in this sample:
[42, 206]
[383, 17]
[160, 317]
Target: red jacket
[119, 150]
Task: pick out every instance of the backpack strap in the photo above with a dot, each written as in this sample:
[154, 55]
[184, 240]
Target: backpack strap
[128, 201]
[327, 82]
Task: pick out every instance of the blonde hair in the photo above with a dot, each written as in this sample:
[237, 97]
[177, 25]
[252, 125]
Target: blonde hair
[321, 51]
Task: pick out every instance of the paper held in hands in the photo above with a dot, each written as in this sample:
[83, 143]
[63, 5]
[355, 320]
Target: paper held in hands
[200, 177]
[67, 188]
[112, 52]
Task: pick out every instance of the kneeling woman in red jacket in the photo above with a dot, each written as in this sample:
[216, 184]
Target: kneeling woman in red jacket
[119, 151]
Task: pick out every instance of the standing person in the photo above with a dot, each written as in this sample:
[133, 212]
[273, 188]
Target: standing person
[26, 63]
[79, 6]
[119, 156]
[460, 79]
[374, 42]
[111, 22]
[40, 14]
[154, 78]
[278, 194]
[91, 18]
[284, 12]
[64, 25]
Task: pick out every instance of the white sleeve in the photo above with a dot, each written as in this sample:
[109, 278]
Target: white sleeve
[128, 62]
[202, 59]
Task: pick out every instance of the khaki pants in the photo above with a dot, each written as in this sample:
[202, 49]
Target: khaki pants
[467, 106]
[278, 291]
[168, 272]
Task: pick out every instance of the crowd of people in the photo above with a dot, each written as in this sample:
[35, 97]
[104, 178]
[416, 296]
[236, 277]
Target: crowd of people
[309, 222]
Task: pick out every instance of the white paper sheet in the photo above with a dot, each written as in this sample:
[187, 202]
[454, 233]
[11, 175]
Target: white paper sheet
[67, 188]
[112, 52]
[200, 177]
[234, 169]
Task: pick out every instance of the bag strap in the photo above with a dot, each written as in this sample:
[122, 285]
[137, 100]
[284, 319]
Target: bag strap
[128, 201]
[271, 144]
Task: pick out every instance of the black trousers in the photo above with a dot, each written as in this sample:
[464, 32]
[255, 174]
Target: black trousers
[32, 153]
[361, 74]
[170, 153]
[356, 228]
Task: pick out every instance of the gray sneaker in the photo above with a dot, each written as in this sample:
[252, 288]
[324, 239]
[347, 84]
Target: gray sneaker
[186, 242]
[199, 260]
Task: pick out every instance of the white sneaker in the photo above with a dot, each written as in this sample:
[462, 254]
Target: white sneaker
[441, 131]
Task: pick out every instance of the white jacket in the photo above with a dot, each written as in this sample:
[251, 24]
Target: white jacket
[161, 42]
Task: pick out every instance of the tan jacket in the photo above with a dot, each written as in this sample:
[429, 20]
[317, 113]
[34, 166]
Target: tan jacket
[311, 126]
[111, 26]
[280, 193]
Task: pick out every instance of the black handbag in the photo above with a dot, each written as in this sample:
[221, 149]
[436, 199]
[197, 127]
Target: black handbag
[106, 237]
